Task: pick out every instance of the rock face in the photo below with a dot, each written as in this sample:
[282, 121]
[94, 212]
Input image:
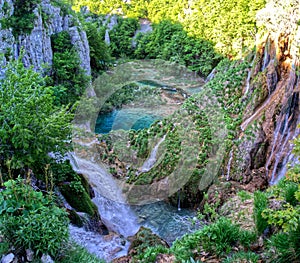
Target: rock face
[50, 20]
[272, 114]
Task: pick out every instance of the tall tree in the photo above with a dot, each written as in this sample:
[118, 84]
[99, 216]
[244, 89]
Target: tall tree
[30, 125]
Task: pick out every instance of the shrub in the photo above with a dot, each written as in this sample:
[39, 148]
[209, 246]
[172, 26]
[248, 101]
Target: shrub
[287, 247]
[30, 220]
[217, 238]
[244, 195]
[150, 254]
[69, 78]
[260, 203]
[241, 257]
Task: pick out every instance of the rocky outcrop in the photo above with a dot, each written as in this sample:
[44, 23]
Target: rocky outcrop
[272, 114]
[36, 46]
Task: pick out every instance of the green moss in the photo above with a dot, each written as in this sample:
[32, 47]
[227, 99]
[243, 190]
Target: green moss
[75, 218]
[80, 201]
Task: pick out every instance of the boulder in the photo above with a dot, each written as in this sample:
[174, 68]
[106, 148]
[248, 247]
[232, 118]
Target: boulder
[9, 258]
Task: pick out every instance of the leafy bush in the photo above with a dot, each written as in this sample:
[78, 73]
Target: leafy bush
[241, 257]
[99, 51]
[260, 203]
[169, 41]
[30, 125]
[150, 254]
[69, 78]
[121, 37]
[287, 247]
[283, 214]
[244, 195]
[30, 220]
[217, 238]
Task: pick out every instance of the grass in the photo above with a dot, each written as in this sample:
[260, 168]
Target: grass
[77, 254]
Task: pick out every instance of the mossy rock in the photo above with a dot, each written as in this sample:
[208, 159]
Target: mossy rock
[144, 239]
[75, 219]
[80, 201]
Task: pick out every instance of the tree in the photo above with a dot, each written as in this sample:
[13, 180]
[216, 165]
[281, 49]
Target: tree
[30, 125]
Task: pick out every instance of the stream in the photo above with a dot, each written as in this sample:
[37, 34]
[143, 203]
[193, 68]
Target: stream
[121, 219]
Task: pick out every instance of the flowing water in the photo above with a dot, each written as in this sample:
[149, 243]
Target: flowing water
[124, 220]
[148, 164]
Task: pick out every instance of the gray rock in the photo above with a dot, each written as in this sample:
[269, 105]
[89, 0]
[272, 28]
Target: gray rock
[8, 258]
[29, 255]
[46, 259]
[37, 45]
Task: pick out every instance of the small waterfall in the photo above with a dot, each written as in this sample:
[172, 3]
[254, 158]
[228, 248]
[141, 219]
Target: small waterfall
[286, 130]
[104, 247]
[229, 165]
[211, 75]
[267, 56]
[117, 217]
[107, 38]
[178, 202]
[148, 164]
[115, 213]
[249, 76]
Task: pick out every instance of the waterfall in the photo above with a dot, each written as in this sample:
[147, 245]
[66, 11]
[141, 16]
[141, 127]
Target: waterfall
[107, 38]
[115, 213]
[117, 217]
[267, 56]
[285, 131]
[178, 203]
[148, 164]
[104, 247]
[249, 76]
[229, 165]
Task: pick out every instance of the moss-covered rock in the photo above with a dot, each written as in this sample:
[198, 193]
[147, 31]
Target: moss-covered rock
[144, 239]
[78, 199]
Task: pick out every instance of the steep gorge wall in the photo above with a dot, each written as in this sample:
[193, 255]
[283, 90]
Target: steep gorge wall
[50, 19]
[264, 146]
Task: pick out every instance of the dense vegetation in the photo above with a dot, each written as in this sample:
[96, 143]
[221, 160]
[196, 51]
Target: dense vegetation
[229, 25]
[36, 113]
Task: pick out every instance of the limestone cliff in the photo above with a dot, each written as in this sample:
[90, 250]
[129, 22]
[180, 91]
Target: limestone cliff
[272, 87]
[50, 19]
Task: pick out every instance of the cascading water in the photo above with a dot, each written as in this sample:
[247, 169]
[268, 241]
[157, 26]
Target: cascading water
[229, 165]
[286, 130]
[148, 164]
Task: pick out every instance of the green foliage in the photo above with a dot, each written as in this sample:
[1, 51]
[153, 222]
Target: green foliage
[170, 42]
[217, 238]
[229, 25]
[30, 125]
[287, 246]
[146, 245]
[77, 196]
[282, 212]
[99, 52]
[209, 211]
[150, 254]
[244, 195]
[69, 78]
[121, 37]
[4, 248]
[22, 20]
[30, 220]
[260, 203]
[241, 257]
[74, 253]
